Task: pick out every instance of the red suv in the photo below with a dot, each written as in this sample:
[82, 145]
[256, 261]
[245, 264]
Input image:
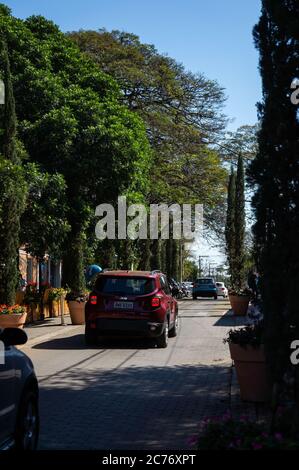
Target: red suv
[137, 303]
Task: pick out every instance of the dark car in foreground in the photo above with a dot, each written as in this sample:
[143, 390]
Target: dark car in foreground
[133, 303]
[204, 287]
[19, 415]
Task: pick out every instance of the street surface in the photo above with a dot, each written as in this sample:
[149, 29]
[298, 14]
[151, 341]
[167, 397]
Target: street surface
[127, 394]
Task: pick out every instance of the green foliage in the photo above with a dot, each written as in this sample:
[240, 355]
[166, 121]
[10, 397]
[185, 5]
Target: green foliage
[235, 227]
[182, 111]
[190, 270]
[240, 227]
[274, 175]
[13, 190]
[250, 335]
[227, 433]
[74, 125]
[230, 229]
[44, 226]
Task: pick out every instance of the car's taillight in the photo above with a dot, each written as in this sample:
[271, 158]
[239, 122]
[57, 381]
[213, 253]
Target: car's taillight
[155, 302]
[93, 299]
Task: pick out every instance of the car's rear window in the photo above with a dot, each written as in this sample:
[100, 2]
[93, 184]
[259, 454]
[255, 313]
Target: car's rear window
[124, 285]
[204, 281]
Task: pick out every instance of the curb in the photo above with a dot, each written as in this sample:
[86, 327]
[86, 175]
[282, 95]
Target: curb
[63, 329]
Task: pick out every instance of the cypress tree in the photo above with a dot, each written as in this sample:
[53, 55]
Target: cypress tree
[12, 196]
[275, 176]
[230, 225]
[239, 229]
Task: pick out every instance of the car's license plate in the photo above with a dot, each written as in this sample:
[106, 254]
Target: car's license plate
[124, 305]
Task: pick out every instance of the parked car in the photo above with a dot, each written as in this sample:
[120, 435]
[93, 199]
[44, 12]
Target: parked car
[204, 287]
[222, 291]
[135, 303]
[19, 414]
[188, 285]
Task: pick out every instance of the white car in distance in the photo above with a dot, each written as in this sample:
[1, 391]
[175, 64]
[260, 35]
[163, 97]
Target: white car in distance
[222, 291]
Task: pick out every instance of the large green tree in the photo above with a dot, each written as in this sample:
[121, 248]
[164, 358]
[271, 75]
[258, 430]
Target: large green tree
[12, 190]
[182, 112]
[73, 122]
[274, 175]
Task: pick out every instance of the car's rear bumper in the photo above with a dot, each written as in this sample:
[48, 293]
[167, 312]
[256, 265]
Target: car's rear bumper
[204, 293]
[122, 327]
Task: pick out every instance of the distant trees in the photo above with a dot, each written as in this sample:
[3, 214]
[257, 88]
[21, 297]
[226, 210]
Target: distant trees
[182, 113]
[235, 227]
[275, 177]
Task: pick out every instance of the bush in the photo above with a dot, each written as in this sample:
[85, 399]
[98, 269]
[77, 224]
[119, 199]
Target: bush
[226, 433]
[250, 335]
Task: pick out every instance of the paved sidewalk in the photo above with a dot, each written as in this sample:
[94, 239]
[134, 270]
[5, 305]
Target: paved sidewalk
[48, 328]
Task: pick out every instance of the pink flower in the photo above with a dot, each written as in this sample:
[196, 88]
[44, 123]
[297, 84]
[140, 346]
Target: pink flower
[257, 446]
[278, 436]
[192, 440]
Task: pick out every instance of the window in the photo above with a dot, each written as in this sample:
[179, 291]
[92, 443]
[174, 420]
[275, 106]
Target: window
[164, 285]
[124, 285]
[205, 281]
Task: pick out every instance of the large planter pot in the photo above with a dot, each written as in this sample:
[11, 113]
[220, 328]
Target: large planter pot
[252, 373]
[77, 312]
[239, 304]
[13, 320]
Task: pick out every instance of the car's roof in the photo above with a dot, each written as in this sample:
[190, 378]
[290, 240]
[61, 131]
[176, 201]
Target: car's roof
[129, 273]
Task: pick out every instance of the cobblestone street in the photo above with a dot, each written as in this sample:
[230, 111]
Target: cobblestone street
[126, 394]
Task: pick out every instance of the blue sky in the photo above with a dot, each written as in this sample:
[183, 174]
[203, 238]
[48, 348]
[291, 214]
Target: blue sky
[209, 36]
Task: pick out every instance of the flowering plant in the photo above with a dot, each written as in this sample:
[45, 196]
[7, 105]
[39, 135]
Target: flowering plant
[249, 335]
[8, 310]
[77, 296]
[226, 433]
[56, 293]
[240, 292]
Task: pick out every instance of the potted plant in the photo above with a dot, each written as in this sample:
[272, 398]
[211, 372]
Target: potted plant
[12, 317]
[53, 298]
[76, 302]
[32, 299]
[239, 300]
[247, 351]
[227, 433]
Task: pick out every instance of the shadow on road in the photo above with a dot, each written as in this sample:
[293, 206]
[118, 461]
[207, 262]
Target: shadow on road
[130, 407]
[76, 342]
[231, 320]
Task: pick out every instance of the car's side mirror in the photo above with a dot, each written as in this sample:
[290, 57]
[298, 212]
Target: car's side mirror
[13, 336]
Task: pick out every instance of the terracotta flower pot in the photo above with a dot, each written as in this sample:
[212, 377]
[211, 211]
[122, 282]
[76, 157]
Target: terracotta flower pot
[77, 312]
[13, 320]
[239, 304]
[252, 373]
